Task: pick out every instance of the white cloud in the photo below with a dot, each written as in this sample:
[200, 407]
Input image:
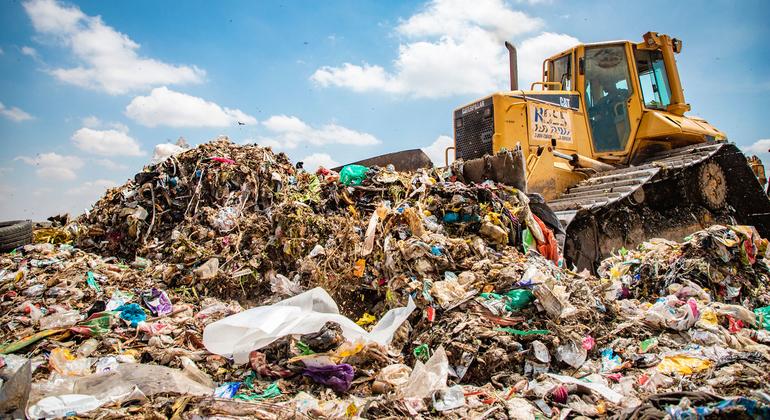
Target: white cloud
[533, 51]
[316, 160]
[290, 131]
[759, 146]
[54, 166]
[92, 189]
[436, 150]
[169, 108]
[106, 142]
[455, 47]
[285, 123]
[14, 113]
[2, 51]
[108, 59]
[454, 18]
[110, 164]
[92, 121]
[29, 51]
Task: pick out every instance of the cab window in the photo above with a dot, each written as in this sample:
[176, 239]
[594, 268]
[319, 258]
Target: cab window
[653, 79]
[607, 90]
[561, 71]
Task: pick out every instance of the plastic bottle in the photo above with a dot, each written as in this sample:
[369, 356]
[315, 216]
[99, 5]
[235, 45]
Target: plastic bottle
[34, 290]
[88, 347]
[60, 319]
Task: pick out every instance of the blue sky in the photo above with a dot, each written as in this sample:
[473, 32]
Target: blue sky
[89, 88]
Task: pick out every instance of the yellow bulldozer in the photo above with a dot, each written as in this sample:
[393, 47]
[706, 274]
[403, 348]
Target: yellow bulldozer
[604, 139]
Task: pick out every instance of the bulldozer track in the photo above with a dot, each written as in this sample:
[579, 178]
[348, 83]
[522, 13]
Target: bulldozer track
[670, 195]
[608, 187]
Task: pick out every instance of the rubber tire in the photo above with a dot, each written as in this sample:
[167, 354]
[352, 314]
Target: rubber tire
[14, 234]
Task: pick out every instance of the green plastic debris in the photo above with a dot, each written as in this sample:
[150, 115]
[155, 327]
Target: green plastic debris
[514, 331]
[304, 348]
[763, 317]
[422, 352]
[514, 299]
[249, 380]
[353, 174]
[527, 240]
[519, 298]
[647, 344]
[92, 282]
[271, 391]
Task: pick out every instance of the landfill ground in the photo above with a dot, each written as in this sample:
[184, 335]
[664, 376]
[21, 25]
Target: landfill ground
[224, 282]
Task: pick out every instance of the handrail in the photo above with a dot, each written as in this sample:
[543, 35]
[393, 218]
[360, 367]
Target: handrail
[446, 156]
[545, 84]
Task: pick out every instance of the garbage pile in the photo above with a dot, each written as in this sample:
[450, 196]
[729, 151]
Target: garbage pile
[226, 282]
[723, 259]
[236, 220]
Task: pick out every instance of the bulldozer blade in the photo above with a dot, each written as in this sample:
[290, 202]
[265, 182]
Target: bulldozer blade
[405, 160]
[506, 167]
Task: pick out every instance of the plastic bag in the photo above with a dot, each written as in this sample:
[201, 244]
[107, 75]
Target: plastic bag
[572, 353]
[63, 406]
[227, 390]
[763, 317]
[226, 219]
[683, 364]
[449, 399]
[448, 291]
[192, 371]
[62, 361]
[669, 313]
[130, 381]
[338, 377]
[158, 302]
[610, 361]
[353, 174]
[395, 374]
[540, 351]
[606, 392]
[736, 311]
[429, 377]
[519, 299]
[132, 313]
[118, 299]
[239, 334]
[282, 286]
[554, 301]
[60, 319]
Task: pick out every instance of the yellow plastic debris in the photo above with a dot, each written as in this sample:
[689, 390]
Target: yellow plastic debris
[366, 319]
[709, 317]
[359, 268]
[683, 364]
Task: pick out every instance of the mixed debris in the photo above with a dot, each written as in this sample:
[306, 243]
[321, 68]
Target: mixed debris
[224, 281]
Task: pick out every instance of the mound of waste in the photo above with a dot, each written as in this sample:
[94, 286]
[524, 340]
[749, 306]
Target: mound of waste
[227, 282]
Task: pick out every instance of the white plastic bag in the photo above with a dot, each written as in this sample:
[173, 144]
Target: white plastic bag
[239, 334]
[429, 377]
[672, 313]
[63, 406]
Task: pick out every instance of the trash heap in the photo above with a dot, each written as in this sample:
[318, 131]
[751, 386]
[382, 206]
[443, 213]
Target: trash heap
[722, 259]
[237, 221]
[226, 282]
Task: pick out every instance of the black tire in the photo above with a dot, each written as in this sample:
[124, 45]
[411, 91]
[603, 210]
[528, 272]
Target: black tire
[14, 234]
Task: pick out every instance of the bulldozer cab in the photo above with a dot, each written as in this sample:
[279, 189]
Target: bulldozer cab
[631, 94]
